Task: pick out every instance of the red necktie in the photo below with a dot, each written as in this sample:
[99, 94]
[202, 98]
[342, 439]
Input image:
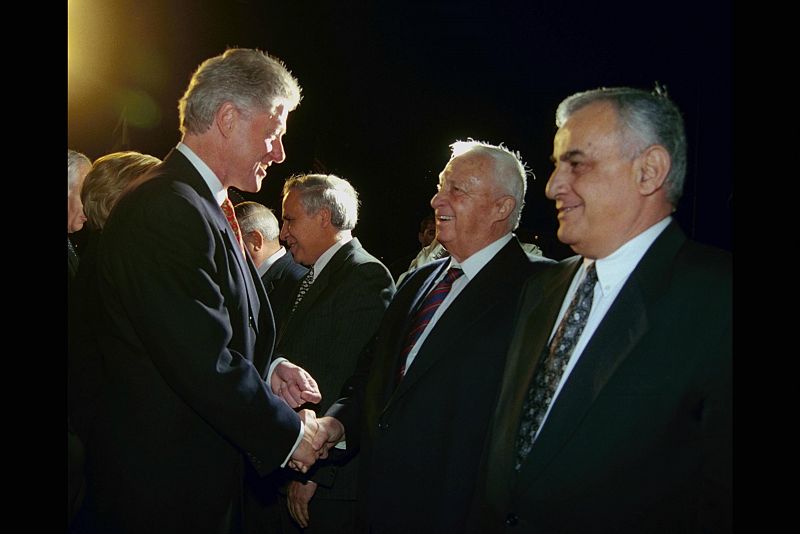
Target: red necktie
[227, 208]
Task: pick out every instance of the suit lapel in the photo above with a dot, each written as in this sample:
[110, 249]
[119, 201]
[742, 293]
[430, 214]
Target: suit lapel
[321, 283]
[192, 177]
[535, 320]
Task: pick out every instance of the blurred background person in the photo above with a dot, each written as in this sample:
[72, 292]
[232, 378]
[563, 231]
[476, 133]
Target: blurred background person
[77, 167]
[425, 235]
[102, 186]
[278, 271]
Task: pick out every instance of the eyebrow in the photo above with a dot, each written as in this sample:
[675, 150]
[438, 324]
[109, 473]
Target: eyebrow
[568, 155]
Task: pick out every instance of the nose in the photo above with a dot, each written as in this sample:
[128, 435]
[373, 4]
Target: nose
[438, 199]
[556, 183]
[277, 153]
[284, 232]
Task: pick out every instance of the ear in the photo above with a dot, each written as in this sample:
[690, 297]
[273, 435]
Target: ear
[324, 215]
[225, 118]
[255, 238]
[654, 165]
[505, 207]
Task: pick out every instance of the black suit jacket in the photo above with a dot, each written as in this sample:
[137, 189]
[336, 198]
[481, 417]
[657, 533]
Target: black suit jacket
[330, 327]
[639, 439]
[421, 443]
[187, 339]
[280, 282]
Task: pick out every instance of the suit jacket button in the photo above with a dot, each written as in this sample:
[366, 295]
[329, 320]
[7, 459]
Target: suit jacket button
[383, 426]
[512, 519]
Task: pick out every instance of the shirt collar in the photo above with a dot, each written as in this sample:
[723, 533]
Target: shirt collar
[615, 268]
[473, 265]
[266, 264]
[219, 191]
[326, 256]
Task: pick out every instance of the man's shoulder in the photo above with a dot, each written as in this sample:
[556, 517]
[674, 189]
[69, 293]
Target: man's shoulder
[286, 268]
[357, 257]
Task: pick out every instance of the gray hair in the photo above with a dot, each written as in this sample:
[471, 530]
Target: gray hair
[327, 191]
[75, 160]
[510, 172]
[251, 79]
[254, 216]
[646, 119]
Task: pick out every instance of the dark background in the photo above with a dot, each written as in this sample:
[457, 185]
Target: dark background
[388, 86]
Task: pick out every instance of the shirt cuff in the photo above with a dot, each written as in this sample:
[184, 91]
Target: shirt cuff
[272, 367]
[296, 444]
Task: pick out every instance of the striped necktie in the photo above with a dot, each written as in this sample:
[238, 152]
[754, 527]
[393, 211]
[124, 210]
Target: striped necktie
[426, 312]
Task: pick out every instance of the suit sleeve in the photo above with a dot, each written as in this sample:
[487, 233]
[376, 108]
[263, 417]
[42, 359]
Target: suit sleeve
[181, 302]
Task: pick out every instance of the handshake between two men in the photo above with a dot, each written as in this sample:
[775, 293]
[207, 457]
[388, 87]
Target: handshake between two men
[296, 387]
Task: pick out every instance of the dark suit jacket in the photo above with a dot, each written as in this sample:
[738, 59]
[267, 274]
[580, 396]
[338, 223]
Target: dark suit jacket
[421, 443]
[188, 337]
[281, 281]
[330, 327]
[639, 439]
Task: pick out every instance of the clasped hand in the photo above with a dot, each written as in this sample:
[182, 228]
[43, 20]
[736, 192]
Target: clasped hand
[319, 436]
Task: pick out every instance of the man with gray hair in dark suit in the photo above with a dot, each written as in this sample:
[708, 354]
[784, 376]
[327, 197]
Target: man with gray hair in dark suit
[336, 309]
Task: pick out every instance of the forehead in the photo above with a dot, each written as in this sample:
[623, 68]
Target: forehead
[590, 129]
[291, 200]
[466, 167]
[274, 120]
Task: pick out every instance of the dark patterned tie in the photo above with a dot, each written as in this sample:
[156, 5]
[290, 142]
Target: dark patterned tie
[552, 364]
[230, 214]
[305, 283]
[426, 312]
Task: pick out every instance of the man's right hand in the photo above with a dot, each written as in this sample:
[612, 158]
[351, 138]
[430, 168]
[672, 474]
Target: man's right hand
[305, 454]
[330, 432]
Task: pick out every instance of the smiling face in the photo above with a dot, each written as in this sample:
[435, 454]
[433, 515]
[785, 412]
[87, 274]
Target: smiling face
[255, 142]
[303, 234]
[471, 209]
[595, 184]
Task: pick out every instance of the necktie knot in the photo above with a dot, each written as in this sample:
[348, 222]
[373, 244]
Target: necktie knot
[452, 274]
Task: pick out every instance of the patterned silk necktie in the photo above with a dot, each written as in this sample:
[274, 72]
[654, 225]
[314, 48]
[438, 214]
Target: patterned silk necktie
[426, 313]
[305, 283]
[230, 214]
[552, 364]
